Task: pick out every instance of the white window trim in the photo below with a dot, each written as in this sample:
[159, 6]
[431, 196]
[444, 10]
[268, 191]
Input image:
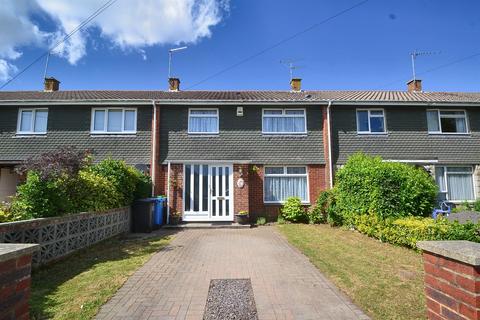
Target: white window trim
[445, 173]
[283, 115]
[32, 124]
[284, 174]
[465, 116]
[203, 116]
[104, 131]
[369, 132]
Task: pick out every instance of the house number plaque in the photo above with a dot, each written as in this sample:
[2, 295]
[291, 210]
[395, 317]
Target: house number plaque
[240, 183]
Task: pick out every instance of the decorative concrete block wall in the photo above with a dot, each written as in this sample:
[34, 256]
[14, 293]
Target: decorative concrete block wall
[60, 236]
[452, 279]
[15, 271]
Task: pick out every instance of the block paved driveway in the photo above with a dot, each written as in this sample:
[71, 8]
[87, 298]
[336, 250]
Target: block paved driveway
[174, 283]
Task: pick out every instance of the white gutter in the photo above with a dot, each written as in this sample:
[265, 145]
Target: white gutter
[153, 165]
[330, 160]
[168, 193]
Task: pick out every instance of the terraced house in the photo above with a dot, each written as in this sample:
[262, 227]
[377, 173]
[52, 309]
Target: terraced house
[215, 153]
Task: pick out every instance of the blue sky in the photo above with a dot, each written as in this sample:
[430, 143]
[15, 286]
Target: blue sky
[366, 48]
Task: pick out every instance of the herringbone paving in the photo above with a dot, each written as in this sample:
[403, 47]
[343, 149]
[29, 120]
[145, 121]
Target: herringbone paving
[174, 283]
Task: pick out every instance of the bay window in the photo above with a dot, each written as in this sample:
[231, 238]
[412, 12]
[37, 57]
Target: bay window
[455, 183]
[203, 121]
[284, 121]
[282, 182]
[114, 120]
[447, 121]
[32, 121]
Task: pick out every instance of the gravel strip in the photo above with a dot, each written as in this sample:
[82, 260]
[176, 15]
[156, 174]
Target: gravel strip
[230, 299]
[464, 217]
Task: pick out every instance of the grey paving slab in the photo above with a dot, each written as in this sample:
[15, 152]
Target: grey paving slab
[174, 284]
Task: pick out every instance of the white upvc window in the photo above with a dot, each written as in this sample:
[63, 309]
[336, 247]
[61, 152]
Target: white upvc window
[203, 121]
[282, 182]
[455, 183]
[284, 121]
[114, 120]
[371, 121]
[32, 121]
[447, 121]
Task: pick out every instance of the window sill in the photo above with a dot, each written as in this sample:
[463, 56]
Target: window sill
[266, 134]
[203, 135]
[451, 134]
[380, 134]
[30, 135]
[281, 203]
[117, 135]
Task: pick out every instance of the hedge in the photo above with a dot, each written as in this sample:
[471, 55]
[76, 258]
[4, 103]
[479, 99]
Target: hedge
[408, 231]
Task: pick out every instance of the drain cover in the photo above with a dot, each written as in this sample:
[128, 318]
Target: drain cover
[230, 299]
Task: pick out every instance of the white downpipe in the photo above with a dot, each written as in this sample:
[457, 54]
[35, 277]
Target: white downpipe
[330, 160]
[153, 165]
[168, 192]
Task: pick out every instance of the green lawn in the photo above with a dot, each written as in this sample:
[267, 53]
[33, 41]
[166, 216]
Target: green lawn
[384, 280]
[76, 287]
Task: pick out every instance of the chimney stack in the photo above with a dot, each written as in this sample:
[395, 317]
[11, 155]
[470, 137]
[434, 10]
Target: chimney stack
[51, 84]
[173, 84]
[296, 84]
[414, 85]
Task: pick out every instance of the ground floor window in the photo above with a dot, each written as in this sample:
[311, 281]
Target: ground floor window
[455, 183]
[282, 182]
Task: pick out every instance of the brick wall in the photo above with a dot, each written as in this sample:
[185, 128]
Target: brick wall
[15, 270]
[176, 188]
[241, 195]
[256, 206]
[452, 288]
[476, 179]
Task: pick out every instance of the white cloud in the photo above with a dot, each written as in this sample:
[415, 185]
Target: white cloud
[127, 24]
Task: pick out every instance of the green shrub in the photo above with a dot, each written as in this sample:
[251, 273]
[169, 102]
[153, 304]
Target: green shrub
[95, 193]
[293, 210]
[477, 205]
[368, 185]
[318, 212]
[408, 231]
[280, 220]
[261, 221]
[143, 187]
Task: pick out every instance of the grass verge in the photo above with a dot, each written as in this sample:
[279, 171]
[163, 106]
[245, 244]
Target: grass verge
[76, 287]
[384, 280]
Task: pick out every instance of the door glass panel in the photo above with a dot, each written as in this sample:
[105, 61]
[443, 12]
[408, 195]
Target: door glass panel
[205, 188]
[196, 173]
[220, 208]
[187, 187]
[227, 179]
[227, 208]
[214, 186]
[220, 181]
[214, 208]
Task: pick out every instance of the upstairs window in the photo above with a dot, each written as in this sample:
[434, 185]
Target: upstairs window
[284, 121]
[370, 121]
[203, 121]
[114, 120]
[447, 121]
[281, 183]
[32, 121]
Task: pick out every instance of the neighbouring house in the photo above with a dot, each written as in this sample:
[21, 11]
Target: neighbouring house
[215, 153]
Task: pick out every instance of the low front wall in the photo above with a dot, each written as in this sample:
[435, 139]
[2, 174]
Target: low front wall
[61, 236]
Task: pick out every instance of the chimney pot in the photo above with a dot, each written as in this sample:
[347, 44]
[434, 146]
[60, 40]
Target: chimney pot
[296, 84]
[51, 84]
[414, 85]
[174, 84]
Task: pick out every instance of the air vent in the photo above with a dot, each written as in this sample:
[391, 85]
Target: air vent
[239, 111]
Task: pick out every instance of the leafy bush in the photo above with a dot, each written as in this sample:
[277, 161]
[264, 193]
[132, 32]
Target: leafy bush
[477, 205]
[293, 210]
[408, 231]
[261, 221]
[368, 185]
[319, 211]
[280, 220]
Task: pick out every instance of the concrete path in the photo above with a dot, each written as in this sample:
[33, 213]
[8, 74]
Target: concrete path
[174, 283]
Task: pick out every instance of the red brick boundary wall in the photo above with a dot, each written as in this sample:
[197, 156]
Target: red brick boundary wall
[452, 279]
[15, 270]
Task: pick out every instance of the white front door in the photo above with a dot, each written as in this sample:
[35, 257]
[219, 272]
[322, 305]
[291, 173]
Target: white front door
[208, 192]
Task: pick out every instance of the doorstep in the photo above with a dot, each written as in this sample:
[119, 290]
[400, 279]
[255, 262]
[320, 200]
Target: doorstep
[207, 225]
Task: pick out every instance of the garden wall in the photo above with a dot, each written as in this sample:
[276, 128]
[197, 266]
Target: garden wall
[60, 236]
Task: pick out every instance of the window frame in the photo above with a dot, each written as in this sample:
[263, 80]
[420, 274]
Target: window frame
[285, 174]
[284, 115]
[369, 132]
[445, 180]
[439, 117]
[32, 124]
[217, 131]
[105, 121]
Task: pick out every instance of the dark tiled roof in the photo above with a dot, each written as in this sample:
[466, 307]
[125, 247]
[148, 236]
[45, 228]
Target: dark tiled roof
[246, 96]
